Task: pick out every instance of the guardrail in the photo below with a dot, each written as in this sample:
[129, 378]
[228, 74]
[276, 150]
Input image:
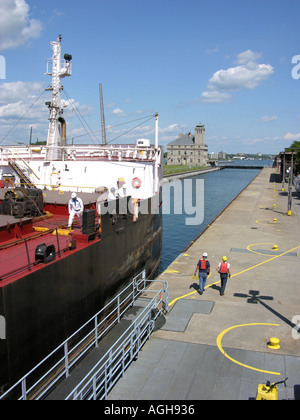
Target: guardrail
[37, 383]
[111, 367]
[119, 152]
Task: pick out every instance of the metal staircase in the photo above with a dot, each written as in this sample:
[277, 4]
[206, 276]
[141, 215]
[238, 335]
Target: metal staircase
[22, 173]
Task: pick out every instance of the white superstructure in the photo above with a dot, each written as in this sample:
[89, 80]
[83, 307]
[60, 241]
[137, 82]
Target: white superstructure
[86, 168]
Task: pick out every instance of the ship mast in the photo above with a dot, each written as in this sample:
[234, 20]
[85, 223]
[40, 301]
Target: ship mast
[102, 115]
[57, 69]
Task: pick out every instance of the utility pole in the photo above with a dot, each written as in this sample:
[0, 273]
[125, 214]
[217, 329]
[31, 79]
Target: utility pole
[291, 177]
[102, 115]
[283, 173]
[30, 138]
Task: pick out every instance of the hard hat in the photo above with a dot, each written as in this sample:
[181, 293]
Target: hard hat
[74, 195]
[224, 258]
[112, 189]
[124, 186]
[204, 254]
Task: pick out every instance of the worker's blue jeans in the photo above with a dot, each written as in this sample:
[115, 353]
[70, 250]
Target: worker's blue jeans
[202, 281]
[224, 278]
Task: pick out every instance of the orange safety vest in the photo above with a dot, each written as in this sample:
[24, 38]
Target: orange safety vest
[203, 264]
[224, 268]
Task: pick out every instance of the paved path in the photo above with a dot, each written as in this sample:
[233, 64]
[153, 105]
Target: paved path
[215, 347]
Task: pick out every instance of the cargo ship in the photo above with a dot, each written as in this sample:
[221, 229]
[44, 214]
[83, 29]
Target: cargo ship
[55, 274]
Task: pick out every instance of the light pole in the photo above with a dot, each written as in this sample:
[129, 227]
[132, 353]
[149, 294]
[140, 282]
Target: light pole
[291, 177]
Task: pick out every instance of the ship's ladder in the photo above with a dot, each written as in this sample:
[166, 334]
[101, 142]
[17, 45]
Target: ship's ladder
[24, 178]
[22, 169]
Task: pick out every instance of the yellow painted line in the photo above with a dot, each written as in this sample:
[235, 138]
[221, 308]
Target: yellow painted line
[237, 274]
[259, 221]
[181, 297]
[264, 262]
[170, 271]
[259, 253]
[219, 344]
[191, 293]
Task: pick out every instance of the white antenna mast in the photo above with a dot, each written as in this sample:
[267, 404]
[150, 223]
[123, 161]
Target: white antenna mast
[58, 69]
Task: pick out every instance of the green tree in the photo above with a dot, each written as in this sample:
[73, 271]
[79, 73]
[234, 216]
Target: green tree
[296, 147]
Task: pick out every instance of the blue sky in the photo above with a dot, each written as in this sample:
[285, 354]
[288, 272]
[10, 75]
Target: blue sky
[226, 64]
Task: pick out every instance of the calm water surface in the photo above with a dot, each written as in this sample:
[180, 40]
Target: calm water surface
[220, 188]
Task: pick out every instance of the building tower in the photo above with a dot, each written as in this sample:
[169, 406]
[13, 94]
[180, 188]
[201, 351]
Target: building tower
[200, 135]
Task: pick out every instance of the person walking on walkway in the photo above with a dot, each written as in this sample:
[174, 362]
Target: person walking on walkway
[203, 267]
[224, 270]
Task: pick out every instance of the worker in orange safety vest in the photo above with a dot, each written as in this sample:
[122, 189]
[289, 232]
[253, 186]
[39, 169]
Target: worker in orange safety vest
[224, 269]
[203, 267]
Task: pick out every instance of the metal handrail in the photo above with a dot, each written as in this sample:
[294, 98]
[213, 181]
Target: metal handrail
[27, 168]
[124, 151]
[104, 375]
[31, 263]
[67, 354]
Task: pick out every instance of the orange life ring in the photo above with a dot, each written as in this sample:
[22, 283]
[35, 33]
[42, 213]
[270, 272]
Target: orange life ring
[136, 183]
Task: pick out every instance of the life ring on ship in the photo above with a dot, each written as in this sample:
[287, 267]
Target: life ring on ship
[136, 183]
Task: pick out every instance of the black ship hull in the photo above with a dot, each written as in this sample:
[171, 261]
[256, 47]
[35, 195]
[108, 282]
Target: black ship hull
[45, 307]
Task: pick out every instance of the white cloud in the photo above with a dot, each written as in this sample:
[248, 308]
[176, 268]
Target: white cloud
[16, 26]
[292, 136]
[171, 129]
[13, 92]
[268, 118]
[21, 102]
[248, 74]
[248, 77]
[247, 57]
[215, 97]
[22, 105]
[213, 50]
[118, 112]
[111, 105]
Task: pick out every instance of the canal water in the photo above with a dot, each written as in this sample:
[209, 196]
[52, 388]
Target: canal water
[220, 188]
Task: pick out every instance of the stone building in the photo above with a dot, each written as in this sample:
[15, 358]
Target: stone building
[189, 149]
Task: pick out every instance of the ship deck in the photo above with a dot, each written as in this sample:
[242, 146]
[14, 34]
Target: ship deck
[19, 238]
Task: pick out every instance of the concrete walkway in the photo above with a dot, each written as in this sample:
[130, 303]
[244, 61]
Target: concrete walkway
[215, 347]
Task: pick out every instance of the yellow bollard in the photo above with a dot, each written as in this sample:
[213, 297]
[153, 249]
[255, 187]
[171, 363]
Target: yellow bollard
[274, 343]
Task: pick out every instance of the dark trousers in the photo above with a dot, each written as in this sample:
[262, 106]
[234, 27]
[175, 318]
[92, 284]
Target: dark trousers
[224, 278]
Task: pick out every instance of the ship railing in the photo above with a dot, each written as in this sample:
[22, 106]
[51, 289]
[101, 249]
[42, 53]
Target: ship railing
[43, 378]
[108, 152]
[14, 157]
[97, 384]
[60, 246]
